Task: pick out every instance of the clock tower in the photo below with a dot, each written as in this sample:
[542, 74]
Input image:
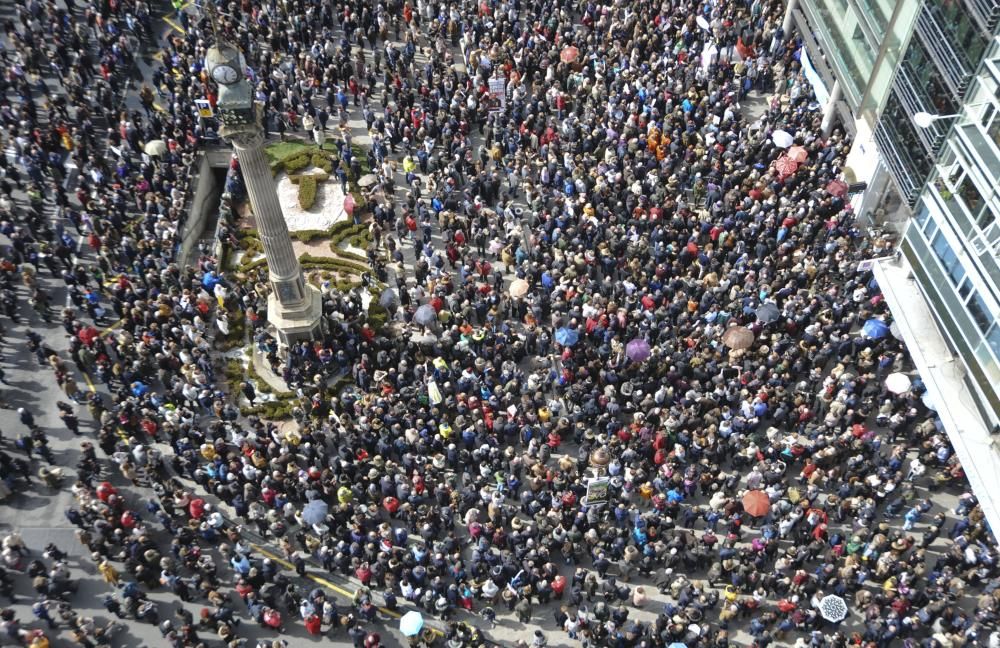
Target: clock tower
[294, 307]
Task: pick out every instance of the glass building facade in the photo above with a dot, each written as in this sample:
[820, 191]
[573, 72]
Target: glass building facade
[953, 240]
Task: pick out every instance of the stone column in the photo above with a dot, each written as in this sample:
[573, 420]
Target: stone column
[786, 23]
[284, 271]
[830, 109]
[294, 308]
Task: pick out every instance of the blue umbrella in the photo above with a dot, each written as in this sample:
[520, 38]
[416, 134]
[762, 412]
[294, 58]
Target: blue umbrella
[314, 512]
[875, 329]
[425, 315]
[411, 623]
[567, 336]
[677, 644]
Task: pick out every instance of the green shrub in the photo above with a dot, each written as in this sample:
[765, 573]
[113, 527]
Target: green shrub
[310, 261]
[296, 163]
[308, 235]
[272, 410]
[262, 385]
[377, 316]
[237, 330]
[321, 160]
[307, 192]
[318, 177]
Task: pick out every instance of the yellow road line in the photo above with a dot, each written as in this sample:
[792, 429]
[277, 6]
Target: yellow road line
[333, 586]
[173, 24]
[113, 327]
[93, 390]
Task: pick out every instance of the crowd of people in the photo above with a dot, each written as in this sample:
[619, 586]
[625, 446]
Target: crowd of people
[618, 184]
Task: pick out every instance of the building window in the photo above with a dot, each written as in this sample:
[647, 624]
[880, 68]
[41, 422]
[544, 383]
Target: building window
[993, 339]
[963, 30]
[970, 195]
[980, 312]
[949, 260]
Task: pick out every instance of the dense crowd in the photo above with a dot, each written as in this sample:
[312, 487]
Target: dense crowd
[620, 187]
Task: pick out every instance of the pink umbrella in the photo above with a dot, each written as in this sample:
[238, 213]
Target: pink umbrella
[837, 188]
[349, 204]
[785, 166]
[798, 153]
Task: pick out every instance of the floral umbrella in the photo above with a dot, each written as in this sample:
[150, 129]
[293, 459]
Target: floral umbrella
[785, 166]
[833, 608]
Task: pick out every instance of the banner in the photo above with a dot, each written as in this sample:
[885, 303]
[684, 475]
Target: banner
[813, 77]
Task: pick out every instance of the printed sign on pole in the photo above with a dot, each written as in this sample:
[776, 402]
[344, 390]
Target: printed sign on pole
[204, 108]
[597, 491]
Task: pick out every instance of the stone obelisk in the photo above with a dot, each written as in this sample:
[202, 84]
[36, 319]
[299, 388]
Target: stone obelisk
[294, 307]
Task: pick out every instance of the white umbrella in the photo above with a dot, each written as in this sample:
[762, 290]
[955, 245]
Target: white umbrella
[703, 23]
[518, 288]
[895, 332]
[928, 401]
[897, 383]
[155, 147]
[833, 608]
[782, 139]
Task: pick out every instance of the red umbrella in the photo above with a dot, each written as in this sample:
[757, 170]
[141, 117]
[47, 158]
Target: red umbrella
[197, 508]
[837, 188]
[756, 503]
[87, 335]
[569, 54]
[785, 166]
[798, 153]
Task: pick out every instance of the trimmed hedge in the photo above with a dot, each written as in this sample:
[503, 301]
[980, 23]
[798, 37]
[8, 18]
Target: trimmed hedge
[321, 160]
[377, 316]
[319, 177]
[307, 191]
[295, 163]
[308, 260]
[308, 235]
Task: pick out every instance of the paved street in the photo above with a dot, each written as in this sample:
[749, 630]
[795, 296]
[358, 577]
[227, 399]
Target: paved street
[39, 514]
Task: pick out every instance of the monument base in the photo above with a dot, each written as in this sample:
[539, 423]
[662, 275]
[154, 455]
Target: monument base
[302, 323]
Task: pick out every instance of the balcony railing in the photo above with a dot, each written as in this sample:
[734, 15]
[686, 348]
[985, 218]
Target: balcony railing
[949, 59]
[986, 13]
[906, 178]
[914, 100]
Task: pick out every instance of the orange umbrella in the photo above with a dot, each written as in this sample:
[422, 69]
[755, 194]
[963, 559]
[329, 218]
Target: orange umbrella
[569, 54]
[756, 503]
[798, 153]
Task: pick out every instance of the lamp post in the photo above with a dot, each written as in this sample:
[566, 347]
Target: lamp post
[925, 119]
[294, 307]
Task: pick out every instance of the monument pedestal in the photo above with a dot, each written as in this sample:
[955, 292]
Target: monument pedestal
[303, 322]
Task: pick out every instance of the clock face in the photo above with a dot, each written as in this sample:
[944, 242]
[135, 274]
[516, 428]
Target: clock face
[225, 74]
